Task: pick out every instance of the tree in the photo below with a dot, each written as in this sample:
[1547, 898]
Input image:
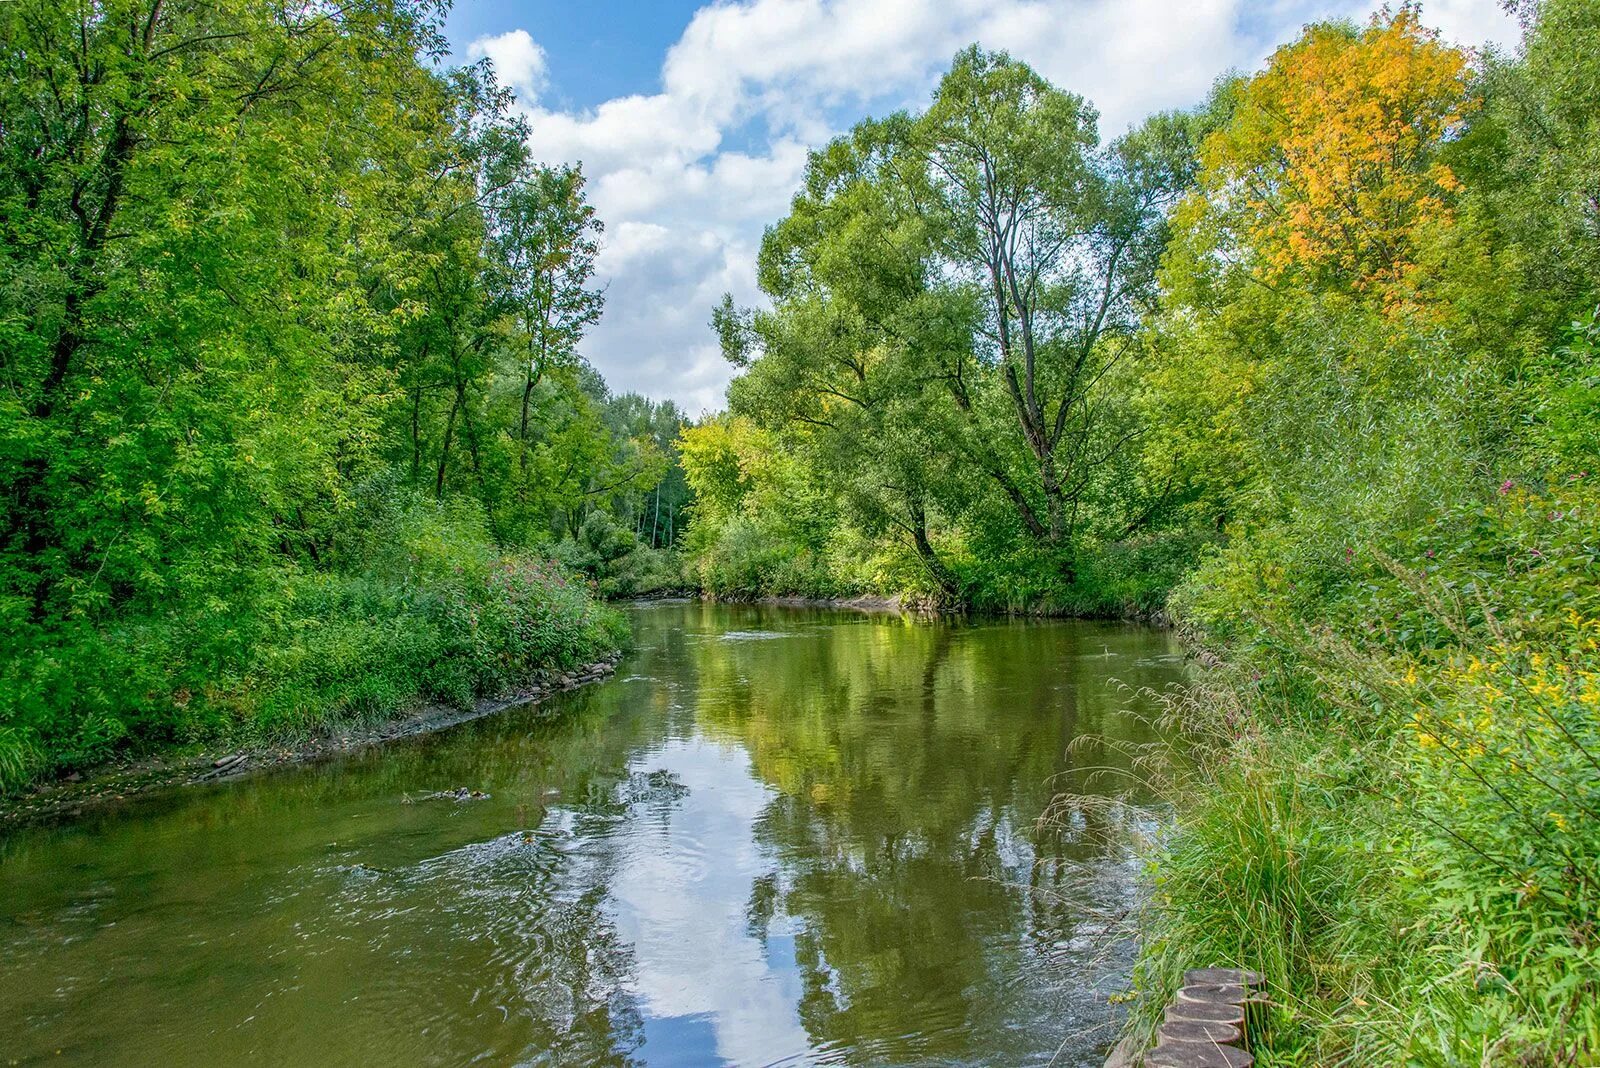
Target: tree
[1330, 163]
[655, 512]
[951, 293]
[546, 238]
[1062, 240]
[261, 267]
[161, 279]
[856, 353]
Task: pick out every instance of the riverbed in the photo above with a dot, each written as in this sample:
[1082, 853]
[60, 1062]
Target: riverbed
[778, 836]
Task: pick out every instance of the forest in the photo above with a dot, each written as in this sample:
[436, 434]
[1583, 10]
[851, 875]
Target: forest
[295, 430]
[294, 419]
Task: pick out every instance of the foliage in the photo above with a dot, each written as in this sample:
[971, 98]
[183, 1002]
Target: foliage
[1393, 810]
[1341, 406]
[954, 294]
[1328, 164]
[271, 275]
[425, 610]
[759, 526]
[620, 565]
[294, 418]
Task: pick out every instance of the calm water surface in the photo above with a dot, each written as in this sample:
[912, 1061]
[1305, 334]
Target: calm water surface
[777, 837]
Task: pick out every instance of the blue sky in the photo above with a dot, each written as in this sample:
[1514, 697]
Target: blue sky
[596, 51]
[692, 120]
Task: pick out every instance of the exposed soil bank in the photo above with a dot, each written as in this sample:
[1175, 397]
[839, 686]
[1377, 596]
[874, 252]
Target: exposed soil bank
[866, 602]
[114, 782]
[914, 605]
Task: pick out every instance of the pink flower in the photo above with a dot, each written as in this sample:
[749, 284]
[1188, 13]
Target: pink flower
[1505, 487]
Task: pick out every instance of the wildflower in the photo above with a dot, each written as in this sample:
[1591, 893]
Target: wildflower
[1506, 487]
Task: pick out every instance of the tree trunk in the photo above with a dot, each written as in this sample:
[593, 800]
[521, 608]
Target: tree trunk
[444, 449]
[470, 432]
[655, 522]
[416, 434]
[937, 570]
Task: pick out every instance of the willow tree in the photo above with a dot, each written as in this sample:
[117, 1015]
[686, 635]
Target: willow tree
[952, 292]
[851, 359]
[1061, 239]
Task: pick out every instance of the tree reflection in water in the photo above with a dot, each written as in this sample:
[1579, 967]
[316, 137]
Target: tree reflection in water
[779, 833]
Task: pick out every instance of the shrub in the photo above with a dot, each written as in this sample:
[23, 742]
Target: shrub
[617, 562]
[425, 612]
[1395, 809]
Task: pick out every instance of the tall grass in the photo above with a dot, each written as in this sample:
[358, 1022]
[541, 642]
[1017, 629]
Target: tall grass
[1393, 806]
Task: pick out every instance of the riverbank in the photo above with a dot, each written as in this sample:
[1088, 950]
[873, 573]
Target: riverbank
[1152, 614]
[112, 783]
[865, 602]
[1389, 797]
[117, 780]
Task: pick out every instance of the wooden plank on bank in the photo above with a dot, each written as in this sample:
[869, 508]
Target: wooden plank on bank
[1208, 1022]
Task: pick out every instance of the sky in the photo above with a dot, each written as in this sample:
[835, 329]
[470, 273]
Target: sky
[692, 120]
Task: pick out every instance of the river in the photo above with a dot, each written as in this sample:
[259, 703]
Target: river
[779, 836]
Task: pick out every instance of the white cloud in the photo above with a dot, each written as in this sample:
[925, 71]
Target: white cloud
[685, 915]
[1470, 22]
[518, 60]
[685, 185]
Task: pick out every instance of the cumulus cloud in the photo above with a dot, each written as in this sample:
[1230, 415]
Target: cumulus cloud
[518, 60]
[1470, 22]
[686, 178]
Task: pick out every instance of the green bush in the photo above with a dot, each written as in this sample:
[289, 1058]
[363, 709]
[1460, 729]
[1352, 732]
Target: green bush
[740, 559]
[618, 563]
[1394, 810]
[427, 612]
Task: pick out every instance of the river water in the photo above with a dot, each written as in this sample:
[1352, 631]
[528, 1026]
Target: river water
[779, 836]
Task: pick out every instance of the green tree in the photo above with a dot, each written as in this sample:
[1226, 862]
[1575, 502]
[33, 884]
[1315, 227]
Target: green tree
[546, 240]
[953, 295]
[252, 298]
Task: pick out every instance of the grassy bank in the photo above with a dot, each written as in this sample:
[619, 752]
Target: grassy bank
[418, 609]
[1394, 813]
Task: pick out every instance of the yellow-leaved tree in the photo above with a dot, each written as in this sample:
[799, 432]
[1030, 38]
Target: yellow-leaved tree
[1329, 167]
